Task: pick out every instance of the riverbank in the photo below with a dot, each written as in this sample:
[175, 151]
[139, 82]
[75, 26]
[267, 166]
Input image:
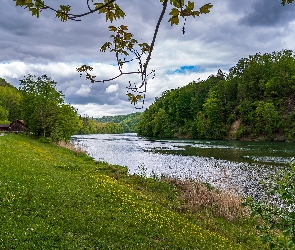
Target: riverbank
[52, 197]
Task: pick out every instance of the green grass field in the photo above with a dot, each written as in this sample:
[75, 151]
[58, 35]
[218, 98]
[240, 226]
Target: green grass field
[54, 198]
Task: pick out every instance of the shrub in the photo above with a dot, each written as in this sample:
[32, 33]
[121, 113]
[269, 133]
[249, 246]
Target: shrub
[277, 225]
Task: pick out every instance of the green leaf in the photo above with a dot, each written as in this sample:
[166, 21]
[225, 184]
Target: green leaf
[112, 28]
[174, 20]
[174, 12]
[119, 12]
[20, 2]
[134, 99]
[124, 27]
[99, 6]
[35, 12]
[110, 16]
[127, 36]
[190, 6]
[196, 13]
[177, 3]
[105, 46]
[205, 9]
[39, 4]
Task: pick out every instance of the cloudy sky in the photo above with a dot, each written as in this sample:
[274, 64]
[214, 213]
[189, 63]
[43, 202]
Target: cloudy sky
[233, 30]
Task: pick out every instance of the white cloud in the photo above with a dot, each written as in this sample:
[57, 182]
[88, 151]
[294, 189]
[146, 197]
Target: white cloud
[84, 90]
[94, 110]
[112, 88]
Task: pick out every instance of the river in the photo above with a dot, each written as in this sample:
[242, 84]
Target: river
[236, 165]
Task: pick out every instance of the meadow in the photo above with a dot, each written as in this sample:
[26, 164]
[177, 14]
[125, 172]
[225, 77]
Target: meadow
[55, 198]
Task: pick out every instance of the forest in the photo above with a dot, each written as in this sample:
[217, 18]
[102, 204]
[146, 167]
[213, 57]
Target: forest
[127, 122]
[254, 101]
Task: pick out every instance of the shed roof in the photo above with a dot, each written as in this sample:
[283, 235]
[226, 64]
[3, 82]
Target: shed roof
[4, 125]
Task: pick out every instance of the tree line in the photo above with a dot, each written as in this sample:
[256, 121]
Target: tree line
[44, 112]
[110, 124]
[40, 106]
[255, 100]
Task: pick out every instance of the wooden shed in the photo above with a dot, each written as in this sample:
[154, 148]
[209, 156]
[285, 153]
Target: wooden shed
[4, 127]
[17, 126]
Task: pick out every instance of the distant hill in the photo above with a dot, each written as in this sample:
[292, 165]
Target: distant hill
[4, 83]
[128, 122]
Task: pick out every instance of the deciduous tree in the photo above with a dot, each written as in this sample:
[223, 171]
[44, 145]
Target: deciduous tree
[44, 111]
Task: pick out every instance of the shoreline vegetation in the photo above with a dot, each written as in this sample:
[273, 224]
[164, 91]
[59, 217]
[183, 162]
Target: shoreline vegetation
[254, 101]
[53, 197]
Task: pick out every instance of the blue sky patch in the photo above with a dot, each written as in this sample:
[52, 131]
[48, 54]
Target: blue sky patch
[185, 69]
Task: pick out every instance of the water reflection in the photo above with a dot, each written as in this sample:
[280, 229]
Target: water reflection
[240, 165]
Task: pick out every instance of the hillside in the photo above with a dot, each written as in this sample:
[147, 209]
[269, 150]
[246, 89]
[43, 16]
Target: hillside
[255, 101]
[128, 122]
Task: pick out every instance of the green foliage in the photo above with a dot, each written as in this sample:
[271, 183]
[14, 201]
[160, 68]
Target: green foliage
[62, 13]
[67, 123]
[44, 111]
[130, 121]
[257, 94]
[176, 111]
[91, 126]
[10, 100]
[284, 2]
[277, 222]
[33, 6]
[111, 10]
[182, 10]
[127, 122]
[3, 114]
[210, 120]
[267, 119]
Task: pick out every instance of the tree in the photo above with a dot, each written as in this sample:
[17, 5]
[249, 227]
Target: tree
[44, 111]
[3, 115]
[67, 123]
[123, 44]
[10, 100]
[210, 121]
[267, 119]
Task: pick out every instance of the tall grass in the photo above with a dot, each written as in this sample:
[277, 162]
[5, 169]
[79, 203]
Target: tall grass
[223, 203]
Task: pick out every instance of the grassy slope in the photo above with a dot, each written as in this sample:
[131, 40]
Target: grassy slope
[53, 198]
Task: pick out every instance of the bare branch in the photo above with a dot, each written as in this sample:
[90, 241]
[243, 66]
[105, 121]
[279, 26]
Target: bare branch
[74, 17]
[155, 36]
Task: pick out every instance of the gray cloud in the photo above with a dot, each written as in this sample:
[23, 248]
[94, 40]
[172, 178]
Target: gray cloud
[233, 29]
[268, 13]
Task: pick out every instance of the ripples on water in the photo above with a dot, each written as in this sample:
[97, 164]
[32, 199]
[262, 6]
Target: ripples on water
[238, 165]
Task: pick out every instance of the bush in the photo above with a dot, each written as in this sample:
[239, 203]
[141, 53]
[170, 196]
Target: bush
[277, 225]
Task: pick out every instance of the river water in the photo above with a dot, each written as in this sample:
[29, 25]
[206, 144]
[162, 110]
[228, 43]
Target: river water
[226, 164]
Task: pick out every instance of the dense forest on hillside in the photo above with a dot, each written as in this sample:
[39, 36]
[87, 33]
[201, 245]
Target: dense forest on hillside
[92, 126]
[110, 124]
[128, 122]
[254, 101]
